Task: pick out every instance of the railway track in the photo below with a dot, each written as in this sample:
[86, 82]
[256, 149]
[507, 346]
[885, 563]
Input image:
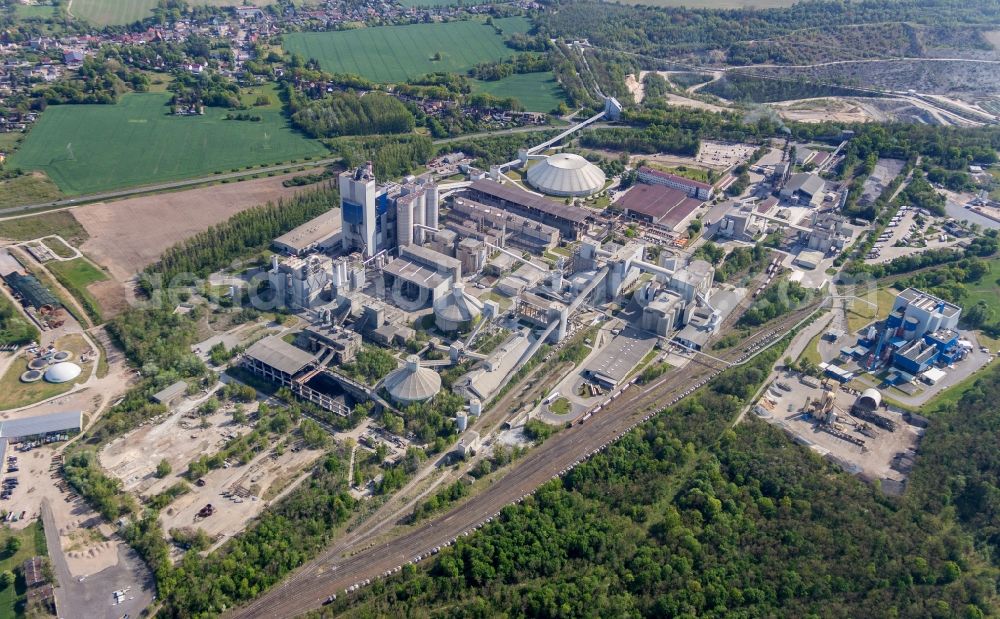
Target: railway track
[332, 573]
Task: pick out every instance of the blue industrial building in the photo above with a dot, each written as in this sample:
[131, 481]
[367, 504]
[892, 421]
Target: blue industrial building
[919, 333]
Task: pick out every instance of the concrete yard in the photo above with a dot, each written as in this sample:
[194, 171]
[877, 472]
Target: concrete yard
[875, 459]
[133, 457]
[254, 486]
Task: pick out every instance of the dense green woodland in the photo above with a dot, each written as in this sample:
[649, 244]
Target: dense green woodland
[392, 156]
[745, 89]
[674, 32]
[687, 518]
[349, 114]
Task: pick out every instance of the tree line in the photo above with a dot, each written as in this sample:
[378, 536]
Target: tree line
[237, 237]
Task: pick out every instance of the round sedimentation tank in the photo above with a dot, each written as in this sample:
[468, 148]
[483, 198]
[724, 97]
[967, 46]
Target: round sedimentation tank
[457, 311]
[566, 174]
[38, 364]
[62, 355]
[62, 372]
[31, 376]
[412, 383]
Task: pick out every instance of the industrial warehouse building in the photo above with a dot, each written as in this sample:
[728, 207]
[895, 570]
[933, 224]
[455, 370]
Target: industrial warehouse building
[570, 220]
[494, 225]
[658, 204]
[566, 174]
[31, 291]
[926, 311]
[318, 234]
[809, 187]
[625, 352]
[301, 371]
[420, 272]
[44, 428]
[694, 189]
[921, 331]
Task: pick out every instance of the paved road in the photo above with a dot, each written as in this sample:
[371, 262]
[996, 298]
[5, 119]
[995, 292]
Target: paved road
[332, 572]
[91, 597]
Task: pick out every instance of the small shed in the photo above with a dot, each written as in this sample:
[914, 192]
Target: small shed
[170, 394]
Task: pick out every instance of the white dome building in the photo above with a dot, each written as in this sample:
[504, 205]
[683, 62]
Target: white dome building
[62, 372]
[412, 383]
[566, 174]
[457, 311]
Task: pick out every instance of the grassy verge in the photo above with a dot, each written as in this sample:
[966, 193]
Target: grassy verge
[27, 228]
[75, 276]
[860, 314]
[35, 188]
[59, 248]
[811, 352]
[560, 407]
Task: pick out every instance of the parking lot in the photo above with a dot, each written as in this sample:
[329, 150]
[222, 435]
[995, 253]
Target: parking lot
[903, 228]
[723, 155]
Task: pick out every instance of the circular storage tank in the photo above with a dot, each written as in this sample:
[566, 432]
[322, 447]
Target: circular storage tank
[31, 376]
[412, 383]
[62, 355]
[38, 364]
[566, 174]
[62, 372]
[457, 311]
[870, 399]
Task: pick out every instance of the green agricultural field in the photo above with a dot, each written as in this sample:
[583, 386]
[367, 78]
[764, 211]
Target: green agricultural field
[92, 148]
[512, 25]
[79, 272]
[120, 12]
[718, 4]
[34, 11]
[537, 92]
[399, 53]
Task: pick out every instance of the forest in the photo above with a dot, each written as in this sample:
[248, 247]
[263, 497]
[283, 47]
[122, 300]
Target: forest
[522, 63]
[747, 89]
[776, 301]
[346, 113]
[209, 89]
[392, 156]
[672, 32]
[686, 517]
